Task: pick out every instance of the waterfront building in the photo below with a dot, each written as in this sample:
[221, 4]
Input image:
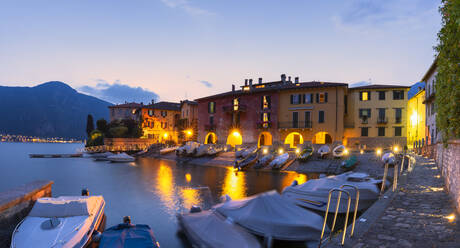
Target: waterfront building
[131, 110]
[431, 131]
[188, 122]
[159, 121]
[279, 112]
[376, 116]
[416, 115]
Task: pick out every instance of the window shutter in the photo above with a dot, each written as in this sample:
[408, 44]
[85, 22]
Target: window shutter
[269, 100]
[268, 115]
[402, 95]
[325, 97]
[369, 110]
[317, 97]
[360, 96]
[209, 107]
[303, 98]
[311, 98]
[292, 99]
[369, 95]
[262, 102]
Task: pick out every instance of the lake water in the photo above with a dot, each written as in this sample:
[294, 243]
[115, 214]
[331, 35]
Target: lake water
[151, 191]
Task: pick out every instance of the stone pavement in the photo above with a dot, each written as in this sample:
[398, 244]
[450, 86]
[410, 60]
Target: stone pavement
[417, 215]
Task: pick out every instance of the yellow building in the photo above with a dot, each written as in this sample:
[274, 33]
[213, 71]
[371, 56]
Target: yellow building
[312, 113]
[416, 118]
[376, 116]
[159, 121]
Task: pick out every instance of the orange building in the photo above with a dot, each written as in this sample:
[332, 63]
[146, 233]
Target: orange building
[160, 120]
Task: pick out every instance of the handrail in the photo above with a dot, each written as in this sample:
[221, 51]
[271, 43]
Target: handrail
[384, 179]
[335, 215]
[395, 176]
[356, 206]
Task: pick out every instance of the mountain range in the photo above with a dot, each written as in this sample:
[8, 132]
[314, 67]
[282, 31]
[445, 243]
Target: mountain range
[52, 109]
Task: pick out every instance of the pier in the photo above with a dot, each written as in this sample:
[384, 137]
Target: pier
[72, 155]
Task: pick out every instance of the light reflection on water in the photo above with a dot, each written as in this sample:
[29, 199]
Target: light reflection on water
[151, 191]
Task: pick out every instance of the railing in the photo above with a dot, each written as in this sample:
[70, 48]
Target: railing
[299, 124]
[364, 120]
[382, 120]
[264, 124]
[398, 120]
[210, 127]
[231, 108]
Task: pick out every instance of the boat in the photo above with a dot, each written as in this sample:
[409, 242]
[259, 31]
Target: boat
[389, 158]
[168, 150]
[127, 235]
[314, 193]
[305, 154]
[323, 151]
[103, 156]
[248, 152]
[263, 161]
[201, 151]
[269, 215]
[239, 152]
[350, 163]
[279, 161]
[214, 150]
[121, 158]
[246, 162]
[339, 151]
[211, 229]
[188, 149]
[65, 221]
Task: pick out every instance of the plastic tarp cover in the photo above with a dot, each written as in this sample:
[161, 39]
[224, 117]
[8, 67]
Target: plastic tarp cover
[128, 236]
[209, 229]
[270, 215]
[66, 206]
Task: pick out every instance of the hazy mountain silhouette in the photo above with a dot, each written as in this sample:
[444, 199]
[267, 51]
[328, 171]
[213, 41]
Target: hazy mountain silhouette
[52, 109]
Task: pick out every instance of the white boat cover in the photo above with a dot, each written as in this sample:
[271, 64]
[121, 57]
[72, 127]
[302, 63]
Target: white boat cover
[389, 158]
[324, 149]
[121, 156]
[281, 159]
[339, 151]
[202, 150]
[270, 215]
[65, 206]
[209, 229]
[265, 159]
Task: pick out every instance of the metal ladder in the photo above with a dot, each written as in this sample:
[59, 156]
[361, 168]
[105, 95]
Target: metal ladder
[341, 190]
[396, 174]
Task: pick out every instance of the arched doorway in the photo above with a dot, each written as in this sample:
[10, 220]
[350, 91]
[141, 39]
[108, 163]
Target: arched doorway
[293, 139]
[322, 138]
[265, 139]
[211, 138]
[234, 138]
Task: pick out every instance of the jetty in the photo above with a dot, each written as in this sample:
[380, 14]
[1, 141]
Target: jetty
[71, 155]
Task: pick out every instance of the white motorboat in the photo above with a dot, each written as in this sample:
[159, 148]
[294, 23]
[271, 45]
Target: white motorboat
[121, 158]
[210, 229]
[168, 150]
[339, 151]
[188, 149]
[314, 193]
[389, 158]
[66, 221]
[201, 150]
[214, 150]
[239, 152]
[279, 161]
[324, 151]
[103, 156]
[269, 215]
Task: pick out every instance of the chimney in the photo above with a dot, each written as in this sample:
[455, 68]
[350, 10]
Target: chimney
[289, 79]
[233, 87]
[153, 101]
[283, 78]
[296, 79]
[245, 82]
[250, 82]
[260, 80]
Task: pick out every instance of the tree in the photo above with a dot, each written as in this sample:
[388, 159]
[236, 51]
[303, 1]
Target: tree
[95, 139]
[102, 126]
[448, 64]
[89, 125]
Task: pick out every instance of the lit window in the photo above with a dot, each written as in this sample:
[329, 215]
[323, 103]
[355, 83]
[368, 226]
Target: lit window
[235, 104]
[265, 102]
[321, 97]
[364, 96]
[150, 112]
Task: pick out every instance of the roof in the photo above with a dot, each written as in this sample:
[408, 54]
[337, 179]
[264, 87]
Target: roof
[276, 86]
[128, 105]
[380, 86]
[415, 89]
[164, 106]
[188, 102]
[430, 70]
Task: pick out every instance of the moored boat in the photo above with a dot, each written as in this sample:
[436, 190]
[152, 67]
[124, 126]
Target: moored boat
[305, 154]
[323, 151]
[201, 150]
[339, 151]
[121, 158]
[350, 163]
[103, 156]
[314, 193]
[389, 158]
[127, 235]
[168, 150]
[215, 150]
[246, 162]
[264, 160]
[279, 161]
[65, 221]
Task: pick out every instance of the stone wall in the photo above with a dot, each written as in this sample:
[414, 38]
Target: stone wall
[141, 142]
[448, 161]
[16, 203]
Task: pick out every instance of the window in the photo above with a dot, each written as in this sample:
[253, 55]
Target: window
[266, 102]
[322, 97]
[366, 113]
[398, 131]
[211, 120]
[164, 113]
[364, 131]
[265, 118]
[382, 117]
[398, 94]
[151, 112]
[321, 116]
[295, 119]
[307, 119]
[308, 98]
[345, 103]
[398, 115]
[381, 131]
[381, 95]
[211, 107]
[365, 96]
[236, 102]
[295, 99]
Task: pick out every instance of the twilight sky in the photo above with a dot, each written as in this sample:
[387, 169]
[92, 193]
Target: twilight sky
[180, 49]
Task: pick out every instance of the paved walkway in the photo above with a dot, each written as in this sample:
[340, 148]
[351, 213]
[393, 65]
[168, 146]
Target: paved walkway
[417, 215]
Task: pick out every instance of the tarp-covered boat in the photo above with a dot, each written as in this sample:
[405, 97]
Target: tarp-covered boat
[247, 161]
[305, 154]
[65, 221]
[188, 149]
[323, 151]
[201, 150]
[168, 150]
[127, 235]
[121, 158]
[271, 216]
[350, 163]
[263, 161]
[102, 156]
[314, 193]
[279, 161]
[339, 151]
[389, 158]
[210, 229]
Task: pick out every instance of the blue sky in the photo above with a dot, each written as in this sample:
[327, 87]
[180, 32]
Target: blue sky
[187, 49]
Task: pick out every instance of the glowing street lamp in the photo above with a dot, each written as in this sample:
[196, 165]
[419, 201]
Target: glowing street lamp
[165, 135]
[281, 151]
[361, 151]
[297, 151]
[345, 151]
[379, 151]
[395, 148]
[265, 151]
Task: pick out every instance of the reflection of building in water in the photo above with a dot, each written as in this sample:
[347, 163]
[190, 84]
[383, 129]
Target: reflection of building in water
[190, 197]
[165, 187]
[290, 177]
[234, 185]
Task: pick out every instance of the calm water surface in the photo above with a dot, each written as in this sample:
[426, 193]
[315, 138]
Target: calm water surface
[151, 191]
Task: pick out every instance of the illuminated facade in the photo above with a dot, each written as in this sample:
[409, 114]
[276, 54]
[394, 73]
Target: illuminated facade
[159, 121]
[431, 132]
[416, 117]
[126, 110]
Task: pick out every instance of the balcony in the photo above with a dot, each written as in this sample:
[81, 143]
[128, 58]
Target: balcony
[290, 124]
[382, 120]
[364, 120]
[398, 120]
[210, 127]
[264, 124]
[231, 108]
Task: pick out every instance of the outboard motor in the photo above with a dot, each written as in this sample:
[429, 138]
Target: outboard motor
[85, 192]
